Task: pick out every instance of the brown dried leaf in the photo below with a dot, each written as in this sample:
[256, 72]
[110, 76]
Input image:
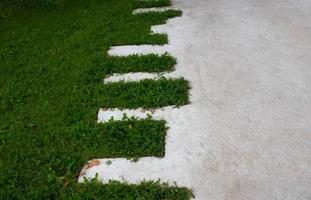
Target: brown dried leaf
[93, 163]
[89, 165]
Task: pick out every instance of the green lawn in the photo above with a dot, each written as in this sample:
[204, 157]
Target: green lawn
[52, 62]
[132, 138]
[139, 63]
[145, 93]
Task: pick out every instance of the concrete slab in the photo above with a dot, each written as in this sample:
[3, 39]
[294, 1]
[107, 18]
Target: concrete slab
[135, 77]
[138, 49]
[146, 10]
[104, 115]
[247, 133]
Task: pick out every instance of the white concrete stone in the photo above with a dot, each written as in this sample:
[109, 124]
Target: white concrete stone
[146, 10]
[159, 29]
[130, 77]
[104, 115]
[247, 133]
[138, 49]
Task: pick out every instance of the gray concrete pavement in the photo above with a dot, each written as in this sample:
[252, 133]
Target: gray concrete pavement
[252, 70]
[247, 133]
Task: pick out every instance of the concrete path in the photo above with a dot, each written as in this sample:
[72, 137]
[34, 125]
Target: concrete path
[247, 133]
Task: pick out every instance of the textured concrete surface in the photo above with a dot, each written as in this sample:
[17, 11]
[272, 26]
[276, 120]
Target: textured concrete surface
[144, 10]
[247, 133]
[135, 77]
[104, 115]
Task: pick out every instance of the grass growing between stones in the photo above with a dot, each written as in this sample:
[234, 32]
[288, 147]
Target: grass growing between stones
[139, 63]
[52, 62]
[146, 93]
[152, 3]
[133, 138]
[119, 191]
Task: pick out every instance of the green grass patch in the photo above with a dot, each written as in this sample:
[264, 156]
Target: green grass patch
[52, 63]
[146, 93]
[119, 191]
[151, 3]
[139, 63]
[135, 138]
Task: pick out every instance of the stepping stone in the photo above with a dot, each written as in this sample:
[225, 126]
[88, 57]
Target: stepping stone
[104, 114]
[129, 77]
[146, 10]
[138, 49]
[167, 169]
